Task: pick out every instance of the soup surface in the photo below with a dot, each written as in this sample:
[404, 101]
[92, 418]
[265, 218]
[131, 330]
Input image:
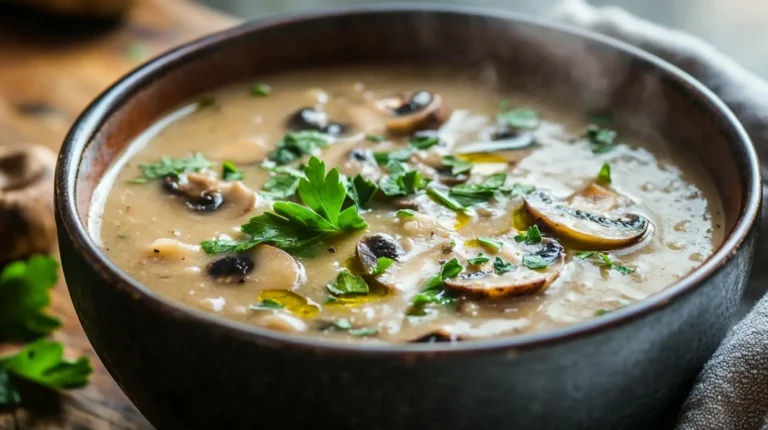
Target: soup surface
[400, 206]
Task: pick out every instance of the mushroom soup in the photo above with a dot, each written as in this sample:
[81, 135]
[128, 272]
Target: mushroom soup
[400, 207]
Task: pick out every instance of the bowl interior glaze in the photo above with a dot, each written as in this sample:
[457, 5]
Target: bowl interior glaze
[577, 70]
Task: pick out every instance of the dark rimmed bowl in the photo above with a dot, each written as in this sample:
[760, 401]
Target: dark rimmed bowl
[187, 370]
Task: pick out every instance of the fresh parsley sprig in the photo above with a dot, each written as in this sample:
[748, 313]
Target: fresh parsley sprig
[292, 226]
[473, 194]
[604, 259]
[172, 166]
[296, 144]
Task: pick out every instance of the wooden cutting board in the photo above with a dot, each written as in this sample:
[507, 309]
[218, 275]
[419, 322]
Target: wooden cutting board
[46, 79]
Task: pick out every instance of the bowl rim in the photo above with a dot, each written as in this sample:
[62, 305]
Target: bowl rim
[93, 117]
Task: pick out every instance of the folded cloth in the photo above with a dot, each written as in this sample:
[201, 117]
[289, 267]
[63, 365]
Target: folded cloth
[732, 390]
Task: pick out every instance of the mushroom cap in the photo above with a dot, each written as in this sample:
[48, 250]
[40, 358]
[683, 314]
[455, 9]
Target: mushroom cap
[26, 201]
[413, 111]
[590, 230]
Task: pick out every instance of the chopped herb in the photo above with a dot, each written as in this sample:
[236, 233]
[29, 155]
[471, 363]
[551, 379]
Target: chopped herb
[331, 299]
[296, 144]
[364, 331]
[493, 244]
[501, 266]
[531, 237]
[433, 291]
[444, 199]
[457, 165]
[137, 181]
[401, 155]
[230, 173]
[260, 90]
[472, 194]
[480, 259]
[342, 324]
[292, 226]
[174, 166]
[401, 182]
[606, 260]
[205, 102]
[361, 191]
[424, 142]
[288, 170]
[406, 213]
[382, 264]
[281, 186]
[267, 305]
[601, 138]
[24, 295]
[604, 175]
[375, 138]
[533, 261]
[520, 190]
[503, 104]
[450, 269]
[601, 312]
[519, 118]
[41, 363]
[347, 283]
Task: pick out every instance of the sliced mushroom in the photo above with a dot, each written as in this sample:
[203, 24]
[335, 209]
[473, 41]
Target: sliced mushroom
[312, 119]
[200, 191]
[456, 331]
[371, 248]
[413, 111]
[521, 280]
[230, 269]
[275, 269]
[502, 139]
[590, 230]
[445, 177]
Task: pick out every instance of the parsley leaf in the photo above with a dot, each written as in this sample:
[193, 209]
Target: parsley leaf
[24, 294]
[292, 226]
[520, 190]
[401, 155]
[585, 254]
[445, 200]
[9, 396]
[493, 244]
[375, 138]
[531, 237]
[480, 259]
[424, 142]
[361, 191]
[260, 90]
[364, 331]
[401, 182]
[382, 264]
[406, 213]
[296, 144]
[502, 266]
[433, 291]
[606, 260]
[43, 363]
[342, 324]
[601, 138]
[604, 175]
[281, 186]
[174, 166]
[266, 305]
[519, 118]
[230, 173]
[347, 283]
[601, 312]
[457, 165]
[533, 261]
[473, 194]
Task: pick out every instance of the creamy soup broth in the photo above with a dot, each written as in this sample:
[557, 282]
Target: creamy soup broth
[603, 244]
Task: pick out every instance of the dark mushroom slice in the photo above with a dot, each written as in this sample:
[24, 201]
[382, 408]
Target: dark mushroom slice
[445, 177]
[590, 230]
[371, 248]
[312, 119]
[502, 139]
[410, 112]
[519, 281]
[200, 192]
[231, 269]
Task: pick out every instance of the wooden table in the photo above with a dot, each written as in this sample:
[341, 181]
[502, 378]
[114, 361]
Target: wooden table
[49, 72]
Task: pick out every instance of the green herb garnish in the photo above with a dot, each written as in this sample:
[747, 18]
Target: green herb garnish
[174, 166]
[601, 312]
[424, 142]
[520, 190]
[445, 199]
[267, 305]
[361, 191]
[400, 155]
[406, 213]
[347, 283]
[292, 226]
[602, 139]
[480, 259]
[296, 144]
[606, 260]
[342, 324]
[493, 244]
[604, 175]
[382, 264]
[504, 104]
[531, 237]
[363, 331]
[457, 165]
[401, 182]
[519, 118]
[433, 291]
[533, 261]
[375, 138]
[260, 90]
[501, 266]
[473, 194]
[281, 186]
[230, 173]
[24, 295]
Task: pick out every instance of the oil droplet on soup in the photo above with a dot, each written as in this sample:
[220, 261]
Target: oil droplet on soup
[393, 206]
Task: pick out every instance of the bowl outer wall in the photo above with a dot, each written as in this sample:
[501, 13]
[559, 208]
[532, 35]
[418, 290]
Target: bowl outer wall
[188, 370]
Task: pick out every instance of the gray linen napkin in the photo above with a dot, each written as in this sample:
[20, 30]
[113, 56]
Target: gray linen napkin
[732, 390]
